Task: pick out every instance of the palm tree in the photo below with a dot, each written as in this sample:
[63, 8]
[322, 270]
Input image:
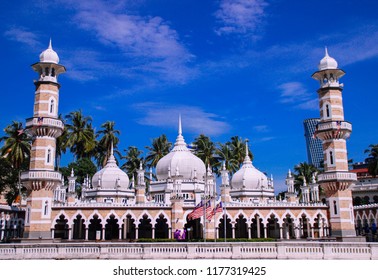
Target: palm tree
[17, 144]
[373, 160]
[80, 135]
[159, 148]
[303, 171]
[224, 154]
[109, 138]
[61, 142]
[205, 150]
[133, 160]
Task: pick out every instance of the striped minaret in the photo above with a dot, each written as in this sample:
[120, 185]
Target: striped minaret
[44, 127]
[333, 130]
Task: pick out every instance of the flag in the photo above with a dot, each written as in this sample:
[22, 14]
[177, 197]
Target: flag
[40, 120]
[217, 209]
[20, 132]
[198, 210]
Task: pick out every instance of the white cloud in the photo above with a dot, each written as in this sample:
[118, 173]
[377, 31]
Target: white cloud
[239, 16]
[295, 93]
[194, 119]
[22, 35]
[261, 128]
[149, 43]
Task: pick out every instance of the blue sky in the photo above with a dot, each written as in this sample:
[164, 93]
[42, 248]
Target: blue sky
[230, 68]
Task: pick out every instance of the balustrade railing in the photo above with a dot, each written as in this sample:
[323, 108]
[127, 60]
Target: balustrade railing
[255, 250]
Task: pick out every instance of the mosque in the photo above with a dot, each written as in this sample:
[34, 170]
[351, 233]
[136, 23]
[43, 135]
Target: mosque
[109, 209]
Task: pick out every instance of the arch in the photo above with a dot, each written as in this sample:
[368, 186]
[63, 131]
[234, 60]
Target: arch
[257, 225]
[241, 212]
[128, 226]
[95, 212]
[78, 226]
[304, 225]
[165, 216]
[52, 105]
[327, 110]
[112, 212]
[288, 226]
[357, 201]
[225, 229]
[241, 227]
[112, 227]
[94, 226]
[273, 227]
[61, 227]
[145, 226]
[161, 227]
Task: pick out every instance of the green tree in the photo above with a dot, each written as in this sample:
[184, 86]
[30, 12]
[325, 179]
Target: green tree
[303, 171]
[80, 135]
[82, 167]
[224, 154]
[373, 160]
[17, 144]
[61, 144]
[109, 137]
[160, 147]
[205, 150]
[133, 159]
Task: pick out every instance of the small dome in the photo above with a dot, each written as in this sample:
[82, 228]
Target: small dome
[111, 176]
[248, 176]
[49, 55]
[182, 160]
[327, 62]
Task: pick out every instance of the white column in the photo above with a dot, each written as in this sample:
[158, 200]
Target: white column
[52, 233]
[281, 231]
[320, 227]
[136, 233]
[249, 233]
[258, 227]
[86, 233]
[70, 232]
[308, 227]
[120, 233]
[153, 233]
[265, 232]
[312, 232]
[103, 233]
[233, 231]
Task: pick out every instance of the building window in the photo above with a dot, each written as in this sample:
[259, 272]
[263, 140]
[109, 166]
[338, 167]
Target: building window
[335, 207]
[331, 161]
[327, 111]
[48, 156]
[45, 209]
[52, 105]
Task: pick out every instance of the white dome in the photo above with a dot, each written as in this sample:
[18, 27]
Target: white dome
[49, 55]
[248, 176]
[327, 62]
[111, 176]
[182, 160]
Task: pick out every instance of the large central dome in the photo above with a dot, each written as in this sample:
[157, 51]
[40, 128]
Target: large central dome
[182, 160]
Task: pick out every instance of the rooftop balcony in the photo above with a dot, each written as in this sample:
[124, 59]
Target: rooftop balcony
[333, 130]
[44, 126]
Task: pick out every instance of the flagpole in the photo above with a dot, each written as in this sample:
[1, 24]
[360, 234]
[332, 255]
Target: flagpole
[215, 222]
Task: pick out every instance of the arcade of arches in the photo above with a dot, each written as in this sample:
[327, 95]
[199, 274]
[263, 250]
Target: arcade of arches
[85, 225]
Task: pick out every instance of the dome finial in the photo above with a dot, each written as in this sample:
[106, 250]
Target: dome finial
[111, 149]
[50, 44]
[246, 147]
[180, 127]
[326, 51]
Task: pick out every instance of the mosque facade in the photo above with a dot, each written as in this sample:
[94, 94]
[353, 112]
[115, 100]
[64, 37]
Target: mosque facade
[110, 208]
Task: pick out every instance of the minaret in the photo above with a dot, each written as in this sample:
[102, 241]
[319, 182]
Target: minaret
[44, 127]
[333, 130]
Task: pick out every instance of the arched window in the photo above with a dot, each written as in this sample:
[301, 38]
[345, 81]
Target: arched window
[52, 72]
[52, 106]
[45, 208]
[327, 111]
[335, 207]
[331, 161]
[47, 71]
[48, 159]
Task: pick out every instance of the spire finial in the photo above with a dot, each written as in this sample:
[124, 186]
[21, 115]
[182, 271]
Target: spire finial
[246, 147]
[326, 51]
[180, 127]
[111, 149]
[50, 44]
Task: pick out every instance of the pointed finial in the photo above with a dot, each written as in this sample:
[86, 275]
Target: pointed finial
[224, 165]
[326, 51]
[180, 127]
[246, 147]
[289, 173]
[140, 166]
[50, 44]
[72, 172]
[111, 149]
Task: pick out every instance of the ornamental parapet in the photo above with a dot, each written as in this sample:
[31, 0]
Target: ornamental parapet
[333, 130]
[44, 126]
[38, 179]
[337, 176]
